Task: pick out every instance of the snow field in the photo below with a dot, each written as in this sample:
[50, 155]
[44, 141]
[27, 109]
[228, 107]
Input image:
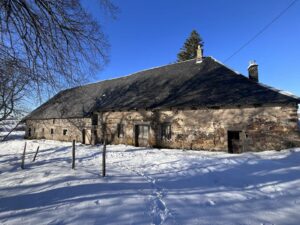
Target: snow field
[146, 186]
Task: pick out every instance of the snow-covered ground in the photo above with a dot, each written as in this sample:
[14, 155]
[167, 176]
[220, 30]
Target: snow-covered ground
[9, 124]
[146, 186]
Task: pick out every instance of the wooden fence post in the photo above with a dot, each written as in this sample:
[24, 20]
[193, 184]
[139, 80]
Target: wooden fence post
[23, 157]
[104, 159]
[73, 155]
[37, 150]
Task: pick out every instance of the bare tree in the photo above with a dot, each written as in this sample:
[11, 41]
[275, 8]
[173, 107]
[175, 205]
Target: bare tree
[13, 84]
[58, 41]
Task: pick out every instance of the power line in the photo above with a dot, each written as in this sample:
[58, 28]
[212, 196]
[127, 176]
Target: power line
[262, 30]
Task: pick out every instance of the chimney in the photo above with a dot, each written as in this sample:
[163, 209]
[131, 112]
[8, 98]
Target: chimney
[253, 71]
[199, 54]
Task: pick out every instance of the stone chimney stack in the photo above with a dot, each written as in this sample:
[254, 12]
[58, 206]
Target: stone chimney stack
[253, 71]
[199, 54]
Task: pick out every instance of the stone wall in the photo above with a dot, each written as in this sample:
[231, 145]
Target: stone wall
[260, 128]
[41, 129]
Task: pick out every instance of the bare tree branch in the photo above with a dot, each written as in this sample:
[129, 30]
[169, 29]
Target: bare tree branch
[58, 41]
[13, 84]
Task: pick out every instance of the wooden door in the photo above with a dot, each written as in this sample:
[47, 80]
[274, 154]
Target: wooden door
[142, 135]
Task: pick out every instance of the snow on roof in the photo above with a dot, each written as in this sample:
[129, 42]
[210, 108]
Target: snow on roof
[287, 93]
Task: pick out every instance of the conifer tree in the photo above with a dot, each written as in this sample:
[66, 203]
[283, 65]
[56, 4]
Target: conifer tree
[189, 49]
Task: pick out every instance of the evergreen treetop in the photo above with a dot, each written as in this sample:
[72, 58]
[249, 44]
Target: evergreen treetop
[189, 49]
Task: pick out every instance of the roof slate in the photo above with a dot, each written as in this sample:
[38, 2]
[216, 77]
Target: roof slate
[179, 85]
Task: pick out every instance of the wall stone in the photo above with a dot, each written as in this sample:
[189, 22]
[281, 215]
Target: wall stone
[260, 128]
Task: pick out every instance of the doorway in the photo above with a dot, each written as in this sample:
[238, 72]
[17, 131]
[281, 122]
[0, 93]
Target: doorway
[83, 136]
[142, 135]
[234, 144]
[95, 137]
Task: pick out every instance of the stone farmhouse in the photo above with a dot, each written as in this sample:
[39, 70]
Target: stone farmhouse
[195, 104]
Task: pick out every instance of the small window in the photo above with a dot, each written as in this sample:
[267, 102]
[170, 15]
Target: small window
[166, 131]
[29, 132]
[65, 131]
[120, 130]
[52, 131]
[53, 121]
[95, 119]
[34, 130]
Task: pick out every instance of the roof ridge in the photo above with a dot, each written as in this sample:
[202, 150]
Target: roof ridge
[149, 69]
[121, 77]
[235, 71]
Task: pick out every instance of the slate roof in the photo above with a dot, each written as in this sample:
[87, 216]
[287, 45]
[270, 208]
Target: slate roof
[184, 84]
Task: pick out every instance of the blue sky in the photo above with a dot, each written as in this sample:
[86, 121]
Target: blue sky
[149, 33]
